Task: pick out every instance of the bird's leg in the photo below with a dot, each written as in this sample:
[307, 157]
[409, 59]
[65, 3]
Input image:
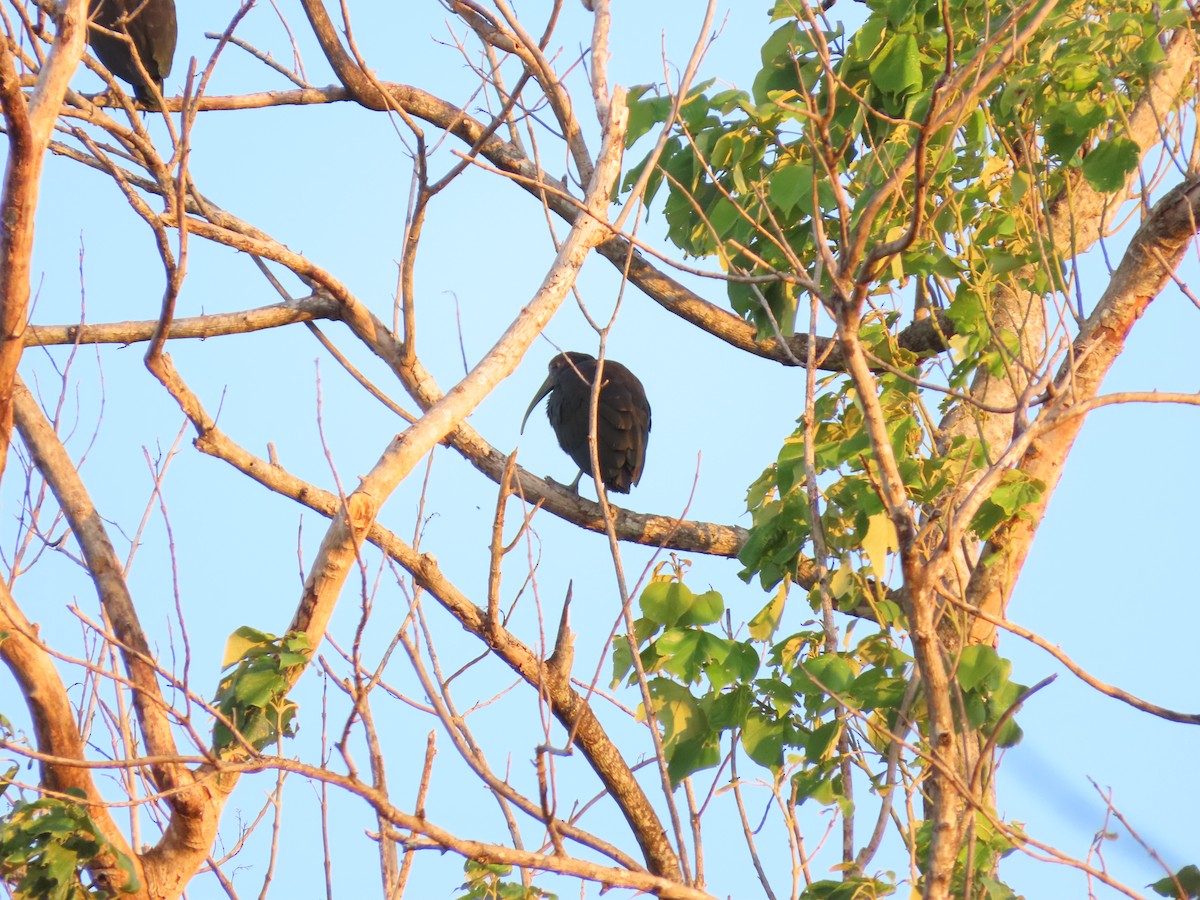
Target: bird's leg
[573, 487]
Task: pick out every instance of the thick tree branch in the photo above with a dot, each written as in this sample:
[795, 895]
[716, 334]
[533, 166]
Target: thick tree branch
[642, 528]
[1155, 251]
[195, 801]
[1076, 218]
[29, 129]
[55, 465]
[307, 309]
[359, 84]
[54, 727]
[922, 337]
[572, 710]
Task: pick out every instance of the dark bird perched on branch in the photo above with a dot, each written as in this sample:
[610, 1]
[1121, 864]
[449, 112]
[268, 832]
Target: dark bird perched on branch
[151, 29]
[622, 418]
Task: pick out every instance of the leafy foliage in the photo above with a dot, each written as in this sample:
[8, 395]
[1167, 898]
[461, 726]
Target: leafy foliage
[797, 708]
[764, 180]
[857, 532]
[788, 706]
[253, 697]
[987, 845]
[850, 889]
[840, 174]
[45, 846]
[1186, 879]
[485, 881]
[987, 693]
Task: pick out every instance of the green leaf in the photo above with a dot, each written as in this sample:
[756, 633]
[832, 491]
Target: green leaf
[644, 114]
[976, 664]
[826, 673]
[45, 844]
[1076, 74]
[896, 69]
[766, 620]
[763, 740]
[667, 602]
[677, 710]
[724, 216]
[484, 882]
[988, 518]
[1003, 698]
[691, 756]
[741, 664]
[253, 696]
[843, 582]
[1188, 878]
[1000, 262]
[791, 187]
[822, 740]
[729, 710]
[875, 688]
[868, 39]
[683, 652]
[256, 688]
[1107, 166]
[643, 630]
[815, 783]
[780, 46]
[704, 609]
[1009, 734]
[1016, 491]
[850, 889]
[664, 602]
[727, 151]
[1008, 500]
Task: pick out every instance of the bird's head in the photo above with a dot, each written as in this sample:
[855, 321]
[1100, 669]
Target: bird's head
[565, 365]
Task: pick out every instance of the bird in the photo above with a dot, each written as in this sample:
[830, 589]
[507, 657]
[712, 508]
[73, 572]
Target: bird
[152, 31]
[622, 418]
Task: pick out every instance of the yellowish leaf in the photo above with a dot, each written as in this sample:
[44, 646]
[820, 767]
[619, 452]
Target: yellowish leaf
[842, 581]
[235, 648]
[766, 620]
[881, 537]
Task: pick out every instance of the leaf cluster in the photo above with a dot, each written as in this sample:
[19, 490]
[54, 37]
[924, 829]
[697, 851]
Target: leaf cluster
[800, 708]
[988, 694]
[253, 696]
[1186, 879]
[980, 855]
[859, 538]
[854, 888]
[47, 844]
[485, 881]
[775, 181]
[778, 698]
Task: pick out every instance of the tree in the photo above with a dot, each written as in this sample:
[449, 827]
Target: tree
[901, 208]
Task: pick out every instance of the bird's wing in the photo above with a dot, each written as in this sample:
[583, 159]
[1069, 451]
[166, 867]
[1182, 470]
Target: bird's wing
[155, 36]
[622, 424]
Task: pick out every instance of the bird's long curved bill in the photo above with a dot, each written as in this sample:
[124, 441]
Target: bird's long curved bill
[546, 388]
